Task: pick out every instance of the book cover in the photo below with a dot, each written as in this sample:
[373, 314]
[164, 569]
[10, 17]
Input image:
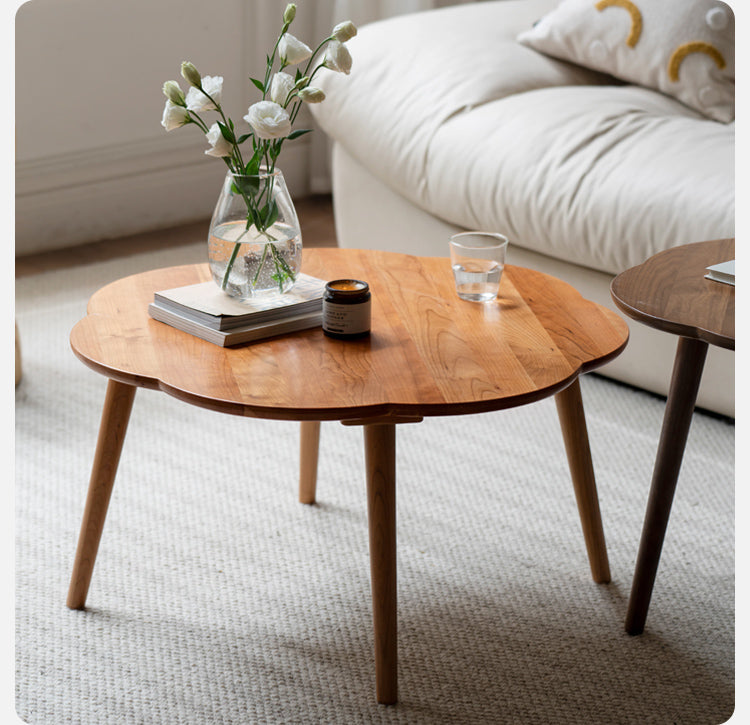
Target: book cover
[237, 335]
[206, 304]
[722, 272]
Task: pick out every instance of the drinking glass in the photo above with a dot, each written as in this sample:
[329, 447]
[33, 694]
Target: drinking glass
[478, 259]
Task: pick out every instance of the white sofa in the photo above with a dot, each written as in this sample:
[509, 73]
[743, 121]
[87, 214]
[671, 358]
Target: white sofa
[447, 122]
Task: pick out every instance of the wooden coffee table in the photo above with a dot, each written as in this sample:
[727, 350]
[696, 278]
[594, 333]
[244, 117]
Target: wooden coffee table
[669, 292]
[429, 354]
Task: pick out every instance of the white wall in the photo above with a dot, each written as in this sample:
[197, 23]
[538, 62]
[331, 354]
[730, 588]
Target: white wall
[92, 159]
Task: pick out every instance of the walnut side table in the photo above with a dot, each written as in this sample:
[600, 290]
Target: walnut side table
[429, 354]
[670, 292]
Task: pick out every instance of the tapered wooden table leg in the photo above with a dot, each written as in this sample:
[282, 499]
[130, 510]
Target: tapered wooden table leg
[575, 435]
[114, 424]
[309, 443]
[380, 462]
[683, 391]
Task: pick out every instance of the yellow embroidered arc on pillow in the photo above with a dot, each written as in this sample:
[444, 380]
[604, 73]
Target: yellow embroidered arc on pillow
[682, 48]
[636, 23]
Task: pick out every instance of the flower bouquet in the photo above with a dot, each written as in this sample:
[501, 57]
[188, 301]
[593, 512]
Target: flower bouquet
[254, 242]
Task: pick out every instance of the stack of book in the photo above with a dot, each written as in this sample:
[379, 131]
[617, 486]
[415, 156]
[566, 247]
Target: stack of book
[205, 311]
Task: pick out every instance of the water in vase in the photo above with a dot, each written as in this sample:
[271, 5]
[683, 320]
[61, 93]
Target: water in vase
[264, 263]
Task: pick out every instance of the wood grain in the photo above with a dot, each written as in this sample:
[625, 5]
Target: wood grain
[380, 462]
[683, 391]
[114, 424]
[429, 352]
[576, 438]
[669, 292]
[309, 443]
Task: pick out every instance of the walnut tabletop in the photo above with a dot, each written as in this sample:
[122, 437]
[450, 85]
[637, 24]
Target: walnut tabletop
[429, 353]
[670, 292]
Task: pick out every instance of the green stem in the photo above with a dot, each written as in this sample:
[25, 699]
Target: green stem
[233, 257]
[312, 57]
[260, 266]
[269, 64]
[230, 264]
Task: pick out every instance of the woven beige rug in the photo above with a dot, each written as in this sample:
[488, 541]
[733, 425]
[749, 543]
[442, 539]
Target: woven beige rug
[217, 598]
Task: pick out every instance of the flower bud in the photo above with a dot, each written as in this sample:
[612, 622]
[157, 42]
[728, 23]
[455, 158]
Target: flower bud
[344, 31]
[311, 95]
[190, 74]
[302, 82]
[289, 13]
[174, 93]
[338, 58]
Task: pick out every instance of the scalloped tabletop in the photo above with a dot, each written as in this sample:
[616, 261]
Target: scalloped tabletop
[429, 353]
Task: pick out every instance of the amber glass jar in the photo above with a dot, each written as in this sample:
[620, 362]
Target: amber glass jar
[346, 309]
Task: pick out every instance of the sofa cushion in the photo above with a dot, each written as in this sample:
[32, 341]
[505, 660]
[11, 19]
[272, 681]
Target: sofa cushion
[412, 72]
[684, 48]
[485, 133]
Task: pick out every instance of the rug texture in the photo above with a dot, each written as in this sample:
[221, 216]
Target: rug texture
[218, 598]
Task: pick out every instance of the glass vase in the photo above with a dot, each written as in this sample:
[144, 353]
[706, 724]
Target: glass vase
[254, 240]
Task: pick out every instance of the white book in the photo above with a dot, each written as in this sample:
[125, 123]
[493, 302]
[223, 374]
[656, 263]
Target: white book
[722, 272]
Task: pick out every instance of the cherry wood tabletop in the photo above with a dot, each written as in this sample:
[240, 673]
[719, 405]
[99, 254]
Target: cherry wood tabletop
[669, 292]
[429, 353]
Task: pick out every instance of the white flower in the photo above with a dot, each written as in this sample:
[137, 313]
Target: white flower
[293, 51]
[219, 145]
[174, 116]
[312, 95]
[268, 120]
[196, 99]
[338, 57]
[282, 84]
[344, 31]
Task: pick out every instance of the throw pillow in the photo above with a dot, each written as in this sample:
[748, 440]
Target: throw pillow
[683, 48]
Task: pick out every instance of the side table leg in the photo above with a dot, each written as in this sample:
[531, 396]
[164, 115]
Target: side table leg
[380, 462]
[114, 424]
[575, 435]
[683, 391]
[309, 442]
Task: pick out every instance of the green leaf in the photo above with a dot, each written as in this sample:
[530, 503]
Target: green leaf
[253, 166]
[226, 133]
[299, 132]
[272, 213]
[258, 84]
[247, 185]
[243, 138]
